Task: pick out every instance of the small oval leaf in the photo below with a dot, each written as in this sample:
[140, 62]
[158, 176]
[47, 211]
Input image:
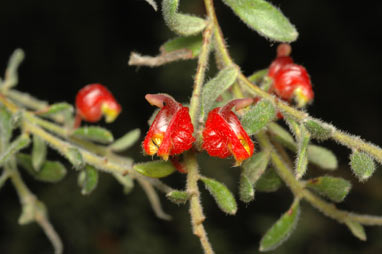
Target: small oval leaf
[50, 171]
[282, 136]
[126, 141]
[126, 181]
[258, 116]
[269, 181]
[178, 197]
[246, 189]
[155, 169]
[74, 156]
[6, 127]
[255, 166]
[356, 229]
[216, 86]
[362, 165]
[282, 229]
[334, 188]
[88, 180]
[39, 150]
[264, 18]
[18, 144]
[319, 130]
[182, 24]
[56, 109]
[302, 153]
[94, 133]
[257, 76]
[192, 43]
[322, 157]
[223, 197]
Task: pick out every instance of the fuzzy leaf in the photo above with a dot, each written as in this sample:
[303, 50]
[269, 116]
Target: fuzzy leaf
[258, 116]
[356, 229]
[282, 229]
[153, 4]
[255, 166]
[322, 157]
[257, 76]
[264, 18]
[11, 75]
[88, 179]
[155, 169]
[75, 157]
[57, 108]
[50, 171]
[178, 197]
[282, 136]
[39, 150]
[318, 129]
[362, 165]
[182, 24]
[18, 144]
[126, 181]
[94, 133]
[246, 189]
[223, 197]
[126, 141]
[334, 188]
[216, 86]
[5, 127]
[302, 154]
[269, 181]
[192, 43]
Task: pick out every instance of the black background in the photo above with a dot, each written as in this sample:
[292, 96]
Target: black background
[72, 43]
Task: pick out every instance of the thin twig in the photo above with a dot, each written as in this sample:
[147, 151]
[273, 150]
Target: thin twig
[164, 58]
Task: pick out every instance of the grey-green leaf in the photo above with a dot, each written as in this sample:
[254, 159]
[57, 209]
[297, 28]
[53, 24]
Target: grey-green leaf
[50, 171]
[258, 116]
[246, 189]
[182, 24]
[257, 76]
[18, 144]
[356, 229]
[155, 169]
[216, 86]
[88, 180]
[264, 18]
[334, 188]
[75, 157]
[94, 133]
[192, 43]
[126, 181]
[282, 229]
[269, 181]
[6, 127]
[282, 136]
[362, 165]
[178, 197]
[126, 141]
[57, 108]
[223, 197]
[322, 157]
[302, 152]
[39, 150]
[319, 130]
[255, 166]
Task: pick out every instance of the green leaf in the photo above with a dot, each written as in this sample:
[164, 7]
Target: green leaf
[11, 75]
[178, 197]
[322, 157]
[75, 157]
[258, 116]
[334, 188]
[155, 169]
[50, 171]
[57, 108]
[6, 127]
[246, 189]
[282, 229]
[223, 197]
[88, 179]
[282, 136]
[94, 133]
[192, 43]
[20, 143]
[269, 181]
[39, 150]
[126, 181]
[182, 24]
[318, 129]
[153, 4]
[264, 18]
[362, 165]
[356, 229]
[216, 86]
[255, 166]
[302, 154]
[258, 76]
[126, 141]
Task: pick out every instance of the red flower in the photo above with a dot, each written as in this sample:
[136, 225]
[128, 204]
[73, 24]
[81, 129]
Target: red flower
[95, 100]
[171, 131]
[223, 134]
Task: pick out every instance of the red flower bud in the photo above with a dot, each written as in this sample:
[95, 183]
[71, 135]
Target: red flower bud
[223, 134]
[95, 100]
[171, 131]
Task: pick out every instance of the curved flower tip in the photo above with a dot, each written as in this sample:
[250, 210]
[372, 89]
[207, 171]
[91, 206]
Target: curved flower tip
[224, 135]
[94, 101]
[171, 131]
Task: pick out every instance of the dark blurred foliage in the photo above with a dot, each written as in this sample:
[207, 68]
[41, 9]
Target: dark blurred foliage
[72, 43]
